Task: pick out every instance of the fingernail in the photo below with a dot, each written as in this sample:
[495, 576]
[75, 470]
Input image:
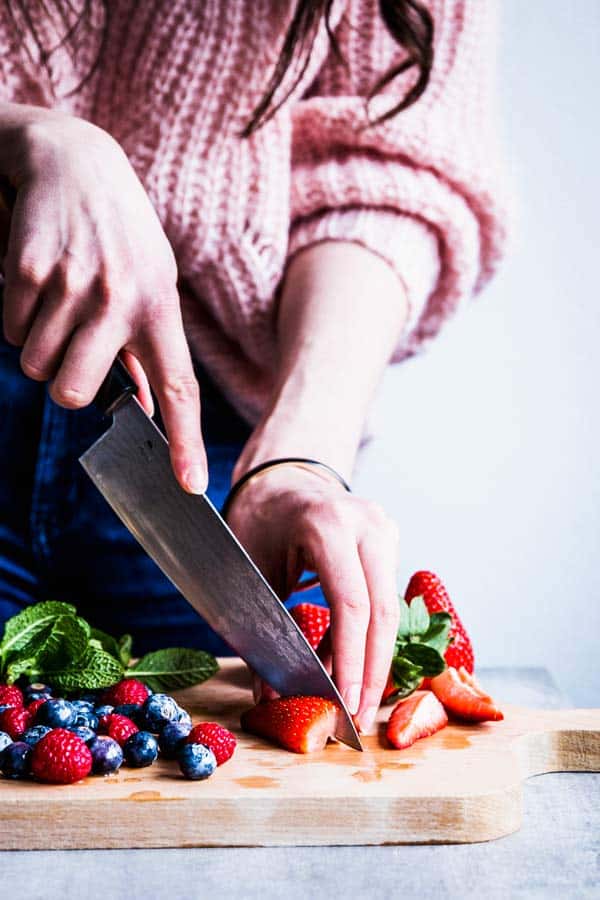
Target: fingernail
[196, 480]
[352, 698]
[367, 719]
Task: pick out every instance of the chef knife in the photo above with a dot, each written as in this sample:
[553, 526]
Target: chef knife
[192, 544]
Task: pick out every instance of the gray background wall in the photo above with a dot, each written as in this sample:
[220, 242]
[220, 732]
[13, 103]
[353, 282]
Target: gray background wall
[487, 447]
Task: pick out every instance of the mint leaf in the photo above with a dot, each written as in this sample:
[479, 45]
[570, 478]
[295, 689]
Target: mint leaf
[431, 663]
[174, 668]
[25, 666]
[103, 641]
[22, 629]
[125, 644]
[418, 617]
[96, 669]
[437, 635]
[65, 643]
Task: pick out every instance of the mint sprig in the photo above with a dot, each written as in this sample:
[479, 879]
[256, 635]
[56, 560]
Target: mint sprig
[49, 642]
[421, 642]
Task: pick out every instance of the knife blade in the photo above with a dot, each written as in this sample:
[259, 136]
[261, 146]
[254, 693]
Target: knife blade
[187, 538]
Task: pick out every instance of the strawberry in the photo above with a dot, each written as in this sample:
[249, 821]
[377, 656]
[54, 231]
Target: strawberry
[463, 696]
[60, 757]
[430, 588]
[312, 620]
[417, 717]
[15, 720]
[129, 690]
[118, 727]
[299, 724]
[216, 738]
[10, 695]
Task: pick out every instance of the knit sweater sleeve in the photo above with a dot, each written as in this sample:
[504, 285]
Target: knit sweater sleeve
[424, 190]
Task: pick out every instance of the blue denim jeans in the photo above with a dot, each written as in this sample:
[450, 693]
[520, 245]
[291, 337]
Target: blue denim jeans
[60, 540]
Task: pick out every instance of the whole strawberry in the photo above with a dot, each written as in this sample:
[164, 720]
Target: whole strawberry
[312, 620]
[430, 588]
[129, 690]
[216, 738]
[60, 757]
[10, 695]
[15, 721]
[119, 728]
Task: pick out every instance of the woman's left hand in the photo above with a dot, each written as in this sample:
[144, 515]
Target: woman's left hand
[291, 520]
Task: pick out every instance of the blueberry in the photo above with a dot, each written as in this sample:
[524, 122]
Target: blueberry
[159, 710]
[84, 705]
[196, 761]
[133, 711]
[184, 717]
[107, 756]
[15, 761]
[172, 737]
[36, 691]
[82, 731]
[90, 697]
[84, 718]
[35, 733]
[5, 740]
[141, 749]
[104, 709]
[55, 713]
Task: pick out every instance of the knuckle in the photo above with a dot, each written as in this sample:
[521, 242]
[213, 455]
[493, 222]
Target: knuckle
[28, 269]
[355, 604]
[386, 615]
[180, 387]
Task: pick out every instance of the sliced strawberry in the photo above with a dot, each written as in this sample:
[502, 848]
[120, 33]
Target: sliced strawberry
[430, 588]
[300, 724]
[312, 620]
[419, 716]
[463, 696]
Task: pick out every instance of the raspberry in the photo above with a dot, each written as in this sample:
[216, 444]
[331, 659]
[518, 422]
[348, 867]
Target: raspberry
[216, 738]
[119, 728]
[60, 758]
[10, 695]
[15, 720]
[35, 705]
[127, 691]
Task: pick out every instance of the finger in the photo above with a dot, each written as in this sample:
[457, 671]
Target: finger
[136, 370]
[87, 359]
[29, 262]
[48, 337]
[169, 366]
[342, 579]
[379, 560]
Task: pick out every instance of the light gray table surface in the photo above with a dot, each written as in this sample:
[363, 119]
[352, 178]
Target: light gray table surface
[556, 854]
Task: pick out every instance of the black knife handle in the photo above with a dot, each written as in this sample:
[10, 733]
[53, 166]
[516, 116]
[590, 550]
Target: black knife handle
[116, 387]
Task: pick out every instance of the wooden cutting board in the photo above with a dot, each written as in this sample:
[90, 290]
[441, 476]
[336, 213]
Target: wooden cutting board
[464, 784]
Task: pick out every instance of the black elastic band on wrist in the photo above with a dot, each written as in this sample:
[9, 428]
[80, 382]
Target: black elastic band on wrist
[271, 464]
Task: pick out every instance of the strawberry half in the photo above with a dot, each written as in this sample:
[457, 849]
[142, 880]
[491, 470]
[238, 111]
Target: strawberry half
[437, 600]
[312, 620]
[463, 696]
[299, 724]
[419, 716]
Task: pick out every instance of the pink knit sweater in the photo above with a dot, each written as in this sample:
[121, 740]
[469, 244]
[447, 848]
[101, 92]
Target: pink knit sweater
[176, 83]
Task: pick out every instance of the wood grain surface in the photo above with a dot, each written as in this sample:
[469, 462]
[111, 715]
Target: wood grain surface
[464, 784]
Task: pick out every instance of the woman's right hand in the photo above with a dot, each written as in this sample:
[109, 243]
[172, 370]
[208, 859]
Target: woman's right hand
[90, 273]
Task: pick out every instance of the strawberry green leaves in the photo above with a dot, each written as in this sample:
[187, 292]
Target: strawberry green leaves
[49, 642]
[421, 642]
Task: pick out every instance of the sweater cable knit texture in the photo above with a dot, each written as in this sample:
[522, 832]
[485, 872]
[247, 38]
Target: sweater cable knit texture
[176, 83]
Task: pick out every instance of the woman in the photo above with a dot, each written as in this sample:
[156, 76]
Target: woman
[286, 196]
